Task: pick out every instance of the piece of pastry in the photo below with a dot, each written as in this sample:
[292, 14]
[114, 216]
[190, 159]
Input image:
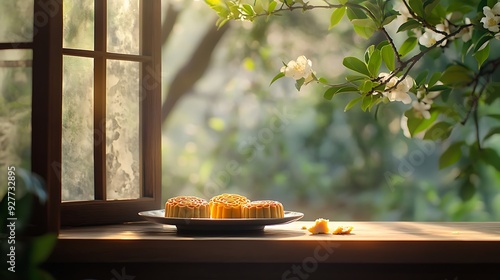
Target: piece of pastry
[342, 230]
[227, 206]
[320, 227]
[263, 209]
[187, 207]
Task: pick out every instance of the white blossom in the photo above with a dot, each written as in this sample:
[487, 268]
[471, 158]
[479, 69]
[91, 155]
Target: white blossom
[404, 14]
[430, 37]
[466, 33]
[491, 19]
[299, 69]
[421, 109]
[400, 92]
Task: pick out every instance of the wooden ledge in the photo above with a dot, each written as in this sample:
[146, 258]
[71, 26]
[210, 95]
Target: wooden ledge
[371, 242]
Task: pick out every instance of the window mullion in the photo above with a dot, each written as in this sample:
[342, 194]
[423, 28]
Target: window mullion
[100, 100]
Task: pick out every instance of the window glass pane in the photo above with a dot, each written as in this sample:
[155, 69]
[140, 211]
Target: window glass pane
[78, 24]
[15, 112]
[16, 20]
[77, 168]
[122, 130]
[123, 26]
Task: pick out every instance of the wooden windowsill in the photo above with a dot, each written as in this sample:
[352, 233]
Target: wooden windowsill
[370, 242]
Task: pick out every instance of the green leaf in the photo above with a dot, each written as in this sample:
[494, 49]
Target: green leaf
[417, 124]
[438, 88]
[338, 89]
[355, 13]
[323, 81]
[364, 27]
[42, 247]
[342, 2]
[375, 10]
[366, 86]
[354, 78]
[417, 6]
[456, 75]
[272, 6]
[482, 55]
[481, 41]
[493, 131]
[430, 5]
[337, 15]
[389, 57]
[439, 131]
[389, 19]
[375, 62]
[495, 116]
[467, 190]
[357, 65]
[466, 47]
[434, 79]
[277, 77]
[369, 52]
[409, 25]
[367, 101]
[299, 83]
[352, 103]
[420, 79]
[490, 156]
[247, 10]
[451, 155]
[407, 46]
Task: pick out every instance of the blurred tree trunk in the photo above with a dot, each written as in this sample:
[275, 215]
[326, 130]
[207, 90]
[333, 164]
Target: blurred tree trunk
[185, 79]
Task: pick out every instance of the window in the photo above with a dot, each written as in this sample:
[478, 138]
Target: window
[96, 125]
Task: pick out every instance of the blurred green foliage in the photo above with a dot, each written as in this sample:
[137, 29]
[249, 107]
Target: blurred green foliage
[324, 162]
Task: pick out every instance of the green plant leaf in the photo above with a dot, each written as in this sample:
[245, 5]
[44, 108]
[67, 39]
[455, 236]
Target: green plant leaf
[482, 55]
[493, 131]
[272, 6]
[420, 79]
[375, 10]
[354, 78]
[277, 77]
[417, 6]
[490, 156]
[434, 79]
[364, 27]
[329, 93]
[337, 15]
[495, 116]
[367, 102]
[438, 88]
[389, 19]
[467, 190]
[375, 62]
[352, 103]
[389, 57]
[41, 247]
[451, 155]
[366, 86]
[439, 131]
[356, 64]
[247, 9]
[481, 41]
[408, 25]
[355, 13]
[407, 46]
[456, 75]
[299, 83]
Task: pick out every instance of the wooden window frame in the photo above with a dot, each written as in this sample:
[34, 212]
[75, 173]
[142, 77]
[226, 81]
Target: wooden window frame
[47, 118]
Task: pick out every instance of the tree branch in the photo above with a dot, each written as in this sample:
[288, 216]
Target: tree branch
[168, 25]
[193, 70]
